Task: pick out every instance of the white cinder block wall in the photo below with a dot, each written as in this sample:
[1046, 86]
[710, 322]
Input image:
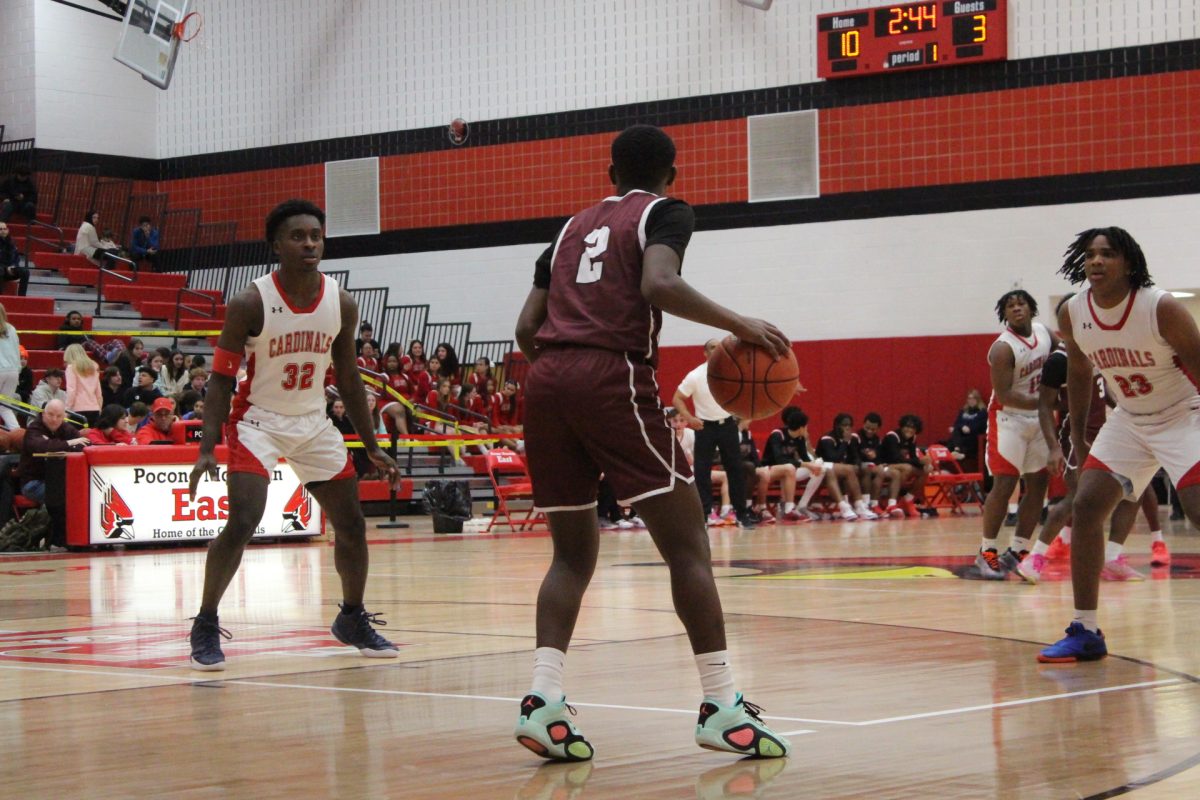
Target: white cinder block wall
[17, 94]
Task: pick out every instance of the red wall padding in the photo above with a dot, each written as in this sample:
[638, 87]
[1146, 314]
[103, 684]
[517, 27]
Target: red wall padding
[928, 376]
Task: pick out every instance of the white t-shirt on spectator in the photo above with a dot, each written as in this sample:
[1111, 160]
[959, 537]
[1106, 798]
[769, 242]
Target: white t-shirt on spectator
[695, 386]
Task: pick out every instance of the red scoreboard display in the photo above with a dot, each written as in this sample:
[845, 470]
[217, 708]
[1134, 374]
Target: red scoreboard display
[911, 36]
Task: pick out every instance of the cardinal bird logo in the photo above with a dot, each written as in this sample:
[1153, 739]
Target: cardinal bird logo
[116, 519]
[298, 511]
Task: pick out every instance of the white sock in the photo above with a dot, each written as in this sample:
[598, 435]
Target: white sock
[867, 500]
[1112, 551]
[1065, 534]
[725, 510]
[1156, 536]
[548, 673]
[1088, 618]
[1012, 508]
[1040, 548]
[1020, 543]
[891, 502]
[716, 677]
[789, 507]
[990, 544]
[810, 489]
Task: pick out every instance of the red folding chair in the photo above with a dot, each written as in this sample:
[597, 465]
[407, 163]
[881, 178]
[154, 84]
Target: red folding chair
[510, 481]
[948, 486]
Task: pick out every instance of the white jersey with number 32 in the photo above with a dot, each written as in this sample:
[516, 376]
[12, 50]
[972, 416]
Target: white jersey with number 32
[286, 362]
[1142, 371]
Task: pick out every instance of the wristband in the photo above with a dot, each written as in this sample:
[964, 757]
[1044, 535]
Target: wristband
[226, 362]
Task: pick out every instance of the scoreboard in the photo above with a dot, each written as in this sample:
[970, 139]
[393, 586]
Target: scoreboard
[944, 33]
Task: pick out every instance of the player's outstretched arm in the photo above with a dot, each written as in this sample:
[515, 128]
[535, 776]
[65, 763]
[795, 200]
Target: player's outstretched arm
[350, 385]
[664, 288]
[532, 315]
[243, 318]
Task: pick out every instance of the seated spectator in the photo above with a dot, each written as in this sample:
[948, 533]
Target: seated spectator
[139, 415]
[25, 381]
[197, 411]
[367, 360]
[786, 457]
[336, 411]
[198, 380]
[10, 262]
[906, 468]
[72, 332]
[9, 460]
[448, 366]
[481, 374]
[484, 398]
[467, 421]
[112, 387]
[441, 399]
[143, 244]
[10, 367]
[366, 335]
[129, 359]
[18, 195]
[173, 378]
[87, 240]
[839, 449]
[108, 241]
[869, 442]
[162, 417]
[83, 384]
[416, 351]
[969, 425]
[111, 427]
[187, 402]
[49, 388]
[197, 362]
[398, 381]
[144, 391]
[48, 432]
[508, 415]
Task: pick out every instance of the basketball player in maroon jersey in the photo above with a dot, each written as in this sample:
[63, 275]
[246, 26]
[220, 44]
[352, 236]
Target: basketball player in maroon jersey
[1147, 347]
[590, 330]
[289, 325]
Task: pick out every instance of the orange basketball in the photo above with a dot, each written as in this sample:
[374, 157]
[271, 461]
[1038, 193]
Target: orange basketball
[748, 382]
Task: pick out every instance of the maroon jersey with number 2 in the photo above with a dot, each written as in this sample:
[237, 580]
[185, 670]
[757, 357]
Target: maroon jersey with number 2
[591, 403]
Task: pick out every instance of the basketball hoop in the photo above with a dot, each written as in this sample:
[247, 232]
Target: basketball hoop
[187, 28]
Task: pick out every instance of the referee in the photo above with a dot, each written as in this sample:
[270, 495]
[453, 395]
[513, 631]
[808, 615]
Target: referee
[715, 429]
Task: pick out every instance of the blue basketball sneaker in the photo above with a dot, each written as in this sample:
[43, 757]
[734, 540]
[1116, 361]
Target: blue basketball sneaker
[206, 644]
[355, 630]
[1080, 644]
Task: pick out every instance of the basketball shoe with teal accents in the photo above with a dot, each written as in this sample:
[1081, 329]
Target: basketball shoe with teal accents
[1080, 644]
[543, 728]
[738, 729]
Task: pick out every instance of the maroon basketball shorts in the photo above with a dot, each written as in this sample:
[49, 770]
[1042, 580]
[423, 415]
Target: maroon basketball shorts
[590, 412]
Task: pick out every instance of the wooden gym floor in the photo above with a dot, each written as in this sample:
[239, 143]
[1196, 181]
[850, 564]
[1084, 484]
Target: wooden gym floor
[894, 678]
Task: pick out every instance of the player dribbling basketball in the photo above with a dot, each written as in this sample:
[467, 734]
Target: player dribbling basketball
[590, 328]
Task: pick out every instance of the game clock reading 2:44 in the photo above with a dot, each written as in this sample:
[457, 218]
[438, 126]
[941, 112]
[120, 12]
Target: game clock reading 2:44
[944, 33]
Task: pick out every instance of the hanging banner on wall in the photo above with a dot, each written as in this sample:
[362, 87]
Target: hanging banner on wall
[150, 504]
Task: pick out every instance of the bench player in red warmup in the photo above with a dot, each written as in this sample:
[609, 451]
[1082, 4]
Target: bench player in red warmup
[289, 324]
[590, 327]
[1142, 340]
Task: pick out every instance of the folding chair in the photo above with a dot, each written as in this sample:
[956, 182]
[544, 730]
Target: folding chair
[510, 481]
[948, 486]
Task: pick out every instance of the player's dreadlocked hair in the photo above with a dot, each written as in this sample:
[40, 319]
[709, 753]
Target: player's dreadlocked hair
[1074, 259]
[642, 155]
[1024, 295]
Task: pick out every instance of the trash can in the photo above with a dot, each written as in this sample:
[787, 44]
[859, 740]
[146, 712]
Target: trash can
[448, 504]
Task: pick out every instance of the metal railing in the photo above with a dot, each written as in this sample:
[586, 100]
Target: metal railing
[60, 246]
[180, 307]
[102, 271]
[76, 187]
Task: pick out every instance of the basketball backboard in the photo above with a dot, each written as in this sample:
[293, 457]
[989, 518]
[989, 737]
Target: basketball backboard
[149, 42]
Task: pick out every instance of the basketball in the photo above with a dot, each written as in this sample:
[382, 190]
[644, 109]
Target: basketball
[747, 382]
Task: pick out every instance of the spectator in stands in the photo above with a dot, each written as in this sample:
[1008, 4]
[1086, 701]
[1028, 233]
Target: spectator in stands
[198, 380]
[162, 417]
[87, 240]
[367, 359]
[197, 361]
[108, 242]
[684, 434]
[139, 414]
[416, 351]
[869, 442]
[10, 367]
[112, 388]
[9, 460]
[485, 398]
[508, 415]
[25, 381]
[366, 335]
[441, 399]
[789, 445]
[173, 378]
[187, 402]
[906, 468]
[83, 384]
[48, 432]
[144, 243]
[144, 391]
[398, 381]
[839, 450]
[111, 427]
[481, 374]
[448, 363]
[18, 195]
[72, 332]
[155, 362]
[49, 388]
[336, 411]
[129, 359]
[10, 262]
[969, 425]
[197, 411]
[468, 422]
